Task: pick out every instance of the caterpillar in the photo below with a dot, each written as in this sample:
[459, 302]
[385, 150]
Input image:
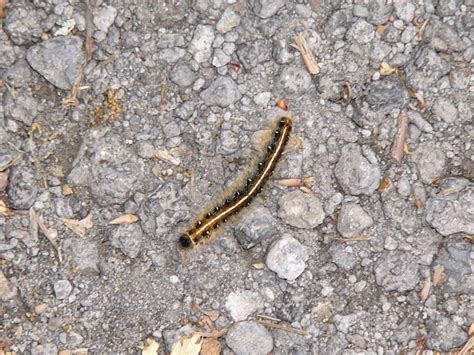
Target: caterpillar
[233, 204]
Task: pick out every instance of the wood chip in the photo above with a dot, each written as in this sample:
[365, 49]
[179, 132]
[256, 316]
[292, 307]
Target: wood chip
[400, 138]
[308, 57]
[259, 266]
[282, 104]
[385, 184]
[346, 92]
[437, 274]
[125, 219]
[167, 157]
[210, 346]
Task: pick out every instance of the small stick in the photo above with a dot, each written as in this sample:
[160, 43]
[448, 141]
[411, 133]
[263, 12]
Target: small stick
[308, 57]
[400, 138]
[214, 334]
[282, 327]
[269, 318]
[49, 233]
[357, 238]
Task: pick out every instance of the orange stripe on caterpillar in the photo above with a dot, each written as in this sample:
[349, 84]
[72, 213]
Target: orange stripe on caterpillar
[241, 198]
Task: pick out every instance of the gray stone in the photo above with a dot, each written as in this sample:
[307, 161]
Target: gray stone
[201, 44]
[111, 169]
[404, 186]
[445, 110]
[338, 23]
[380, 11]
[255, 227]
[45, 349]
[171, 55]
[360, 11]
[453, 213]
[343, 256]
[7, 55]
[443, 334]
[84, 253]
[262, 98]
[105, 17]
[22, 23]
[182, 75]
[19, 74]
[416, 118]
[242, 304]
[328, 88]
[355, 173]
[267, 8]
[444, 38]
[220, 58]
[228, 21]
[353, 220]
[403, 212]
[58, 60]
[397, 271]
[405, 10]
[128, 238]
[408, 34]
[344, 322]
[387, 92]
[429, 68]
[23, 187]
[281, 52]
[254, 52]
[222, 92]
[361, 31]
[430, 161]
[62, 289]
[229, 142]
[301, 210]
[249, 338]
[294, 80]
[447, 7]
[287, 257]
[22, 107]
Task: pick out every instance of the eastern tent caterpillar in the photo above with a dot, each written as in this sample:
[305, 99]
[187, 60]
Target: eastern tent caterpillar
[236, 202]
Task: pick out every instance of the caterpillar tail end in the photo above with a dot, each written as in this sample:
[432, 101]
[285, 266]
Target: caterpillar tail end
[185, 241]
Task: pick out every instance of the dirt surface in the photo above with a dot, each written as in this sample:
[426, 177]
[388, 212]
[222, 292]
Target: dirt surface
[143, 114]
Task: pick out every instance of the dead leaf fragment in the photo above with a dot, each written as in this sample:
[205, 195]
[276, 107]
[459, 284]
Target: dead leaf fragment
[437, 274]
[386, 69]
[282, 104]
[126, 218]
[67, 190]
[425, 290]
[212, 314]
[4, 209]
[151, 347]
[79, 227]
[385, 184]
[187, 346]
[308, 57]
[210, 346]
[259, 266]
[40, 308]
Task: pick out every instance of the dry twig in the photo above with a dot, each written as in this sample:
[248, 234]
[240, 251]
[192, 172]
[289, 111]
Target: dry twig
[50, 233]
[400, 138]
[308, 57]
[282, 327]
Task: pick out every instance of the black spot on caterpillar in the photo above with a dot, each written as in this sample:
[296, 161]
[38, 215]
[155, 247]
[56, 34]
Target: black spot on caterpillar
[233, 204]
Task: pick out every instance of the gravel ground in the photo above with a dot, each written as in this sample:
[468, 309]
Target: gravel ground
[148, 112]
